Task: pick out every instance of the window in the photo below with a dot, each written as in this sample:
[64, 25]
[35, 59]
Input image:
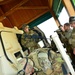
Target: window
[48, 27]
[63, 17]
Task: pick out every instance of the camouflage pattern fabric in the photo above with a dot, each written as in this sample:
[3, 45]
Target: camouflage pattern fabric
[30, 40]
[72, 39]
[45, 66]
[56, 63]
[68, 33]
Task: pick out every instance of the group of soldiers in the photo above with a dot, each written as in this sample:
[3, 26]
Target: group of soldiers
[46, 61]
[70, 33]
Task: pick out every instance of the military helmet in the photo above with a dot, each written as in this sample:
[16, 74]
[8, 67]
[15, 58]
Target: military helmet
[24, 25]
[72, 19]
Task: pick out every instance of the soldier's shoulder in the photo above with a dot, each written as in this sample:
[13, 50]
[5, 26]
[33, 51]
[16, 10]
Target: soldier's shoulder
[22, 35]
[31, 31]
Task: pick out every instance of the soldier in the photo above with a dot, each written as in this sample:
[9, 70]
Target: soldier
[64, 35]
[47, 61]
[29, 38]
[72, 39]
[67, 30]
[60, 33]
[67, 35]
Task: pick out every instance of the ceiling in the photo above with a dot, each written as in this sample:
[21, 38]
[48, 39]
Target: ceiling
[17, 12]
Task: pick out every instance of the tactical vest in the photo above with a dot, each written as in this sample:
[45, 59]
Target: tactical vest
[47, 64]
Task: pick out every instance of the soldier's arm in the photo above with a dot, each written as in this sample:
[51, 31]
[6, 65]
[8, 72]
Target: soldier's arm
[23, 41]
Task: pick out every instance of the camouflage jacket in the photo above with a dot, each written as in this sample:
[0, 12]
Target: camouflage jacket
[30, 40]
[68, 33]
[47, 65]
[72, 39]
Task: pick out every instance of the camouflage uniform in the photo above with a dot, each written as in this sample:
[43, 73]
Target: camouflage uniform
[30, 40]
[68, 33]
[72, 39]
[56, 63]
[45, 66]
